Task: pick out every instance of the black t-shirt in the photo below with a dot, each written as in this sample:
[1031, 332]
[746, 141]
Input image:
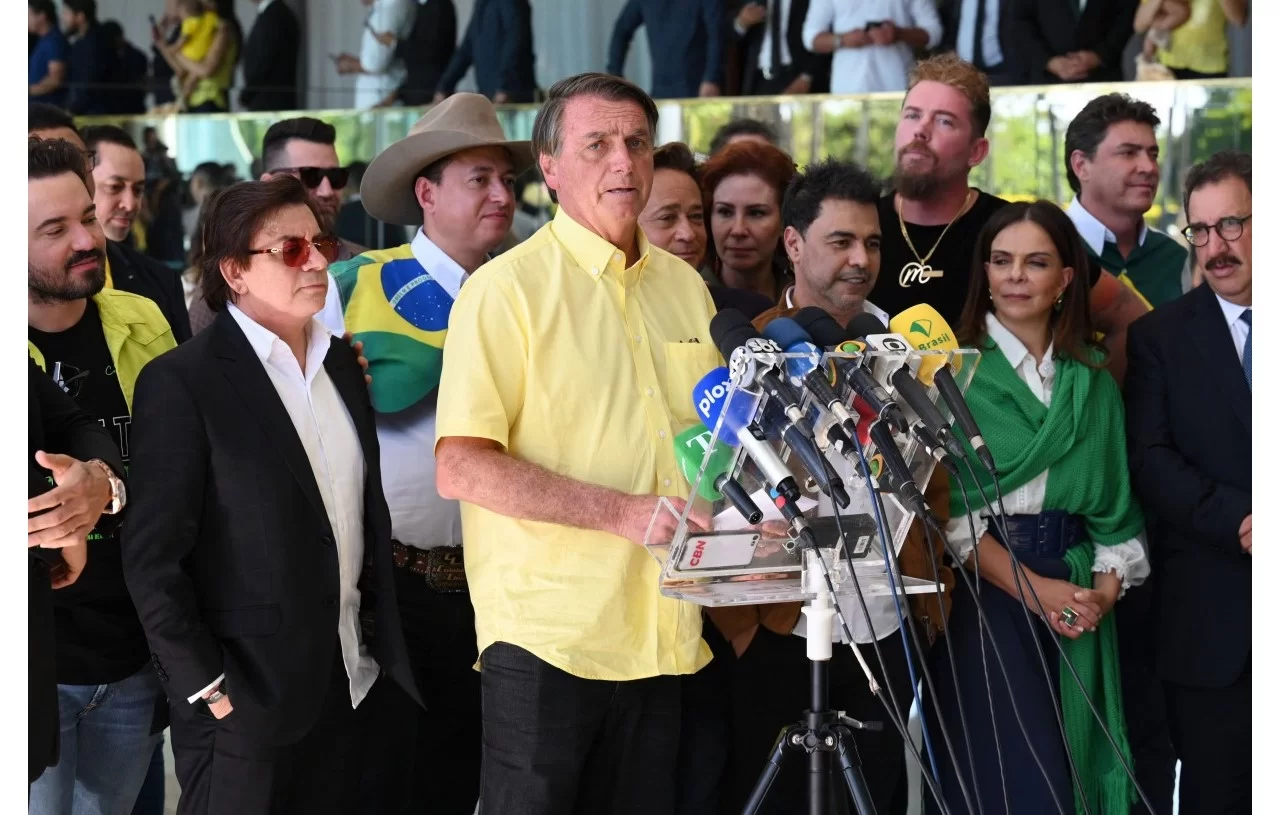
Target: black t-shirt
[99, 637]
[897, 289]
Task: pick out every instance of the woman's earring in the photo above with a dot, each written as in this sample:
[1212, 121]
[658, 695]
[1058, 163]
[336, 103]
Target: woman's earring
[1057, 304]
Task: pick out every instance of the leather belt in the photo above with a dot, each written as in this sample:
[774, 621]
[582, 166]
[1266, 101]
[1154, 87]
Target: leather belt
[440, 568]
[1048, 534]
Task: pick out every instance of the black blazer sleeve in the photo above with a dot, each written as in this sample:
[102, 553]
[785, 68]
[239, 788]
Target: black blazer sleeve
[1029, 52]
[517, 38]
[169, 461]
[1115, 36]
[624, 28]
[1209, 511]
[461, 60]
[804, 60]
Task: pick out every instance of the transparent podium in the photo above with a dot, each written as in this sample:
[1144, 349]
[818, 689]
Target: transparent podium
[772, 517]
[734, 561]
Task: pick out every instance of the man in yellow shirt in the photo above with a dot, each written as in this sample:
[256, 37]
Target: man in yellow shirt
[569, 367]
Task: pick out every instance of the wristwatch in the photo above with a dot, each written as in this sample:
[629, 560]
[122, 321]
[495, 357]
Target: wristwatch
[119, 496]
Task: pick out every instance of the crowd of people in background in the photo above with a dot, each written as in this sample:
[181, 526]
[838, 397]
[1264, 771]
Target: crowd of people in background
[409, 52]
[187, 625]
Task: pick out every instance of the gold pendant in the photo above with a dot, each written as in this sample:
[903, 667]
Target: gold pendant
[915, 272]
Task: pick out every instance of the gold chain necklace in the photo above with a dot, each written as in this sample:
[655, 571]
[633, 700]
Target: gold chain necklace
[919, 270]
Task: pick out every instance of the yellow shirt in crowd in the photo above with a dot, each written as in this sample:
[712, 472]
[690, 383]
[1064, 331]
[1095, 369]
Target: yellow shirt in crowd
[1200, 44]
[575, 363]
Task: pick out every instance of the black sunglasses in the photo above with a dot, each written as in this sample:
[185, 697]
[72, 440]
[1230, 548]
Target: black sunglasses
[312, 176]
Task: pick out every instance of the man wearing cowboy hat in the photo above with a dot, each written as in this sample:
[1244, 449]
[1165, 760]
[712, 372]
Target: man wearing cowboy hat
[452, 179]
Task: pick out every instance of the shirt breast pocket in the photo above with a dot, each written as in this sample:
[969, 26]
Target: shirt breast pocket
[687, 362]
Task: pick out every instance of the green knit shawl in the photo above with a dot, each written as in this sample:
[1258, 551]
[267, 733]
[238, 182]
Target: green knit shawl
[1080, 440]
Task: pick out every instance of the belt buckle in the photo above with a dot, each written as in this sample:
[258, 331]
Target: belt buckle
[446, 572]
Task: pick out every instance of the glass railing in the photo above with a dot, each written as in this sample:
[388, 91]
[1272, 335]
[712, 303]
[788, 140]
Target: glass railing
[1026, 133]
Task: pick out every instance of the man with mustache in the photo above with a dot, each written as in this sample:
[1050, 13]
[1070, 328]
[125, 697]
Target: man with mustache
[1189, 403]
[933, 217]
[303, 147]
[119, 186]
[1113, 165]
[93, 341]
[452, 177]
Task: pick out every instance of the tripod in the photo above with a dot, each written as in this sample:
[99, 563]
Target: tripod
[823, 733]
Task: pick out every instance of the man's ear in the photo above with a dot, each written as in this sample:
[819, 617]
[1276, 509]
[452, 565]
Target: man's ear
[425, 193]
[547, 164]
[978, 152]
[793, 242]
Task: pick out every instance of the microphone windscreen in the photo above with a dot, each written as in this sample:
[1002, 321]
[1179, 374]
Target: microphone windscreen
[730, 329]
[925, 330]
[865, 324]
[820, 326]
[786, 332]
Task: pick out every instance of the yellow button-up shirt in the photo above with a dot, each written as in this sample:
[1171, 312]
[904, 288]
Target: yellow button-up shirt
[574, 362]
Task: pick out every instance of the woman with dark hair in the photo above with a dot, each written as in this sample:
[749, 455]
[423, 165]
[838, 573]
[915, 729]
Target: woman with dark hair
[264, 537]
[674, 220]
[1052, 418]
[742, 190]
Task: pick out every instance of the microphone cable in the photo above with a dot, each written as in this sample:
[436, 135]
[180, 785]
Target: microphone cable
[877, 690]
[982, 646]
[1063, 655]
[898, 586]
[995, 648]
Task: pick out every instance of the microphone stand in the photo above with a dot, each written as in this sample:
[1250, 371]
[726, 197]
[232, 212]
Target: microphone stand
[823, 733]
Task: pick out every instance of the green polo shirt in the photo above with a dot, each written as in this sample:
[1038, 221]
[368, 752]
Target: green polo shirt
[1154, 267]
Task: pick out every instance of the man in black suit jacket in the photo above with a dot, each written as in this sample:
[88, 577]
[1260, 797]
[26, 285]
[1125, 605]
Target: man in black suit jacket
[119, 175]
[975, 30]
[269, 59]
[1056, 41]
[793, 69]
[260, 555]
[1189, 394]
[426, 52]
[69, 441]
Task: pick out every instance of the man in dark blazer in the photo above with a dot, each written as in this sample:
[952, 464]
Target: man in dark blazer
[686, 45]
[975, 30]
[499, 45]
[426, 52]
[1053, 41]
[1190, 424]
[786, 66]
[269, 59]
[260, 555]
[63, 445]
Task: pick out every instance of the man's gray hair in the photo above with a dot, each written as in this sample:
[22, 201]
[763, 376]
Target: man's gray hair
[548, 126]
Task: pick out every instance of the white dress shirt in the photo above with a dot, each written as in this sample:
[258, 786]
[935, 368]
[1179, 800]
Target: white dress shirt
[1239, 328]
[419, 516]
[1094, 232]
[382, 73]
[329, 437]
[1128, 559]
[992, 55]
[331, 314]
[872, 68]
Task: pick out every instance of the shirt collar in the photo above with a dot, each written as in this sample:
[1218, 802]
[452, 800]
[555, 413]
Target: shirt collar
[263, 5]
[268, 346]
[595, 255]
[1014, 350]
[1230, 310]
[1094, 232]
[443, 269]
[867, 306]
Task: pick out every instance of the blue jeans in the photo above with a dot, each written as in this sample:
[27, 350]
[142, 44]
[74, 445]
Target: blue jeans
[105, 748]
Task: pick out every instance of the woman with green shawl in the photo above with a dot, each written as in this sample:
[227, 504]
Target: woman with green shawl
[1052, 418]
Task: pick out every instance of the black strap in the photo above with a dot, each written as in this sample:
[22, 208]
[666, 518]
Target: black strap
[775, 38]
[979, 59]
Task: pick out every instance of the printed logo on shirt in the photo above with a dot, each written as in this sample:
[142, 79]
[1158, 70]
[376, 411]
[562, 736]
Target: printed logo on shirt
[70, 378]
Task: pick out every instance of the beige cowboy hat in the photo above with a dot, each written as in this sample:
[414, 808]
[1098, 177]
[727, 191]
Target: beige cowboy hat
[462, 121]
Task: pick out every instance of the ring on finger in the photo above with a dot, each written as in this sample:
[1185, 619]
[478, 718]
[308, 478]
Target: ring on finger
[1069, 616]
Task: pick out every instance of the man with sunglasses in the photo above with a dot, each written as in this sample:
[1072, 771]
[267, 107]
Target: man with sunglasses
[303, 147]
[451, 178]
[1113, 165]
[1190, 427]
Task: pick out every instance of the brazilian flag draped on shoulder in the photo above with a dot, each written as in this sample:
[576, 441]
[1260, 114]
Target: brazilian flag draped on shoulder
[400, 313]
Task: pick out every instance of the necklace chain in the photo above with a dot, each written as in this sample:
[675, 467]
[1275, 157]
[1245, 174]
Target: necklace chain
[902, 224]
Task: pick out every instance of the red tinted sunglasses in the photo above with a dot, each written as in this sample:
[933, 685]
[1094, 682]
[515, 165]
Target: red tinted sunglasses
[296, 251]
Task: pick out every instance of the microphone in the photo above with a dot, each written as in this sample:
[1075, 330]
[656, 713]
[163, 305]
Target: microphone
[909, 389]
[902, 483]
[735, 337]
[794, 340]
[711, 400]
[925, 329]
[690, 448]
[826, 332]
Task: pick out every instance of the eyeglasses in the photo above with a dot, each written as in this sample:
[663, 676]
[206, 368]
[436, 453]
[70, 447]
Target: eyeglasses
[296, 251]
[312, 176]
[1229, 229]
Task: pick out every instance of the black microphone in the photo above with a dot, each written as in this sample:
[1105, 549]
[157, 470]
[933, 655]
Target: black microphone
[904, 484]
[826, 332]
[733, 334]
